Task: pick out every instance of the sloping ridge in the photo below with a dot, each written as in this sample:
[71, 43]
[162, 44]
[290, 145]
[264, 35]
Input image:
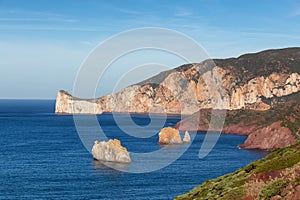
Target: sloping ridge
[257, 64]
[246, 80]
[274, 177]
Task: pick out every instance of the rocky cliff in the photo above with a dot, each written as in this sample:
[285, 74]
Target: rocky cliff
[276, 127]
[245, 81]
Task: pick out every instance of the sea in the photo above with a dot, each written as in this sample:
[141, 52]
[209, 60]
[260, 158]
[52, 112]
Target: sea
[43, 157]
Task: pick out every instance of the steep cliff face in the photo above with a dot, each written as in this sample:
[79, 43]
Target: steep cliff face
[66, 103]
[276, 127]
[245, 81]
[270, 137]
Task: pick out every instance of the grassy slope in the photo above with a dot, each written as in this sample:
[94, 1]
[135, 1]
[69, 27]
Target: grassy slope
[281, 167]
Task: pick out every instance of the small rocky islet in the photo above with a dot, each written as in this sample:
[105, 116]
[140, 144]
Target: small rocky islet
[260, 94]
[113, 151]
[110, 151]
[169, 135]
[261, 97]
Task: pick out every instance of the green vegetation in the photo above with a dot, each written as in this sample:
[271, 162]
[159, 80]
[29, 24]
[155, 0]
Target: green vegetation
[273, 188]
[223, 188]
[284, 109]
[234, 186]
[278, 159]
[292, 123]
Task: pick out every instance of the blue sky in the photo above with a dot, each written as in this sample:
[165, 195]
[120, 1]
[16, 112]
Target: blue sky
[43, 43]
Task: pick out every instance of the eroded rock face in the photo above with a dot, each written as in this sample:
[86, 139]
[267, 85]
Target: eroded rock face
[169, 135]
[186, 137]
[271, 137]
[111, 151]
[66, 103]
[188, 88]
[270, 129]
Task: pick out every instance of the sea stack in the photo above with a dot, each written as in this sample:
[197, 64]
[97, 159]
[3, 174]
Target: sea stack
[111, 151]
[186, 137]
[169, 135]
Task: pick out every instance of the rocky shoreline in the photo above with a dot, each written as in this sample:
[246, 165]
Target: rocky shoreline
[260, 93]
[234, 83]
[270, 129]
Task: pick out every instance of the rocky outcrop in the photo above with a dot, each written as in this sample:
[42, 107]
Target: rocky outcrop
[271, 137]
[66, 103]
[186, 137]
[169, 135]
[111, 151]
[269, 129]
[245, 81]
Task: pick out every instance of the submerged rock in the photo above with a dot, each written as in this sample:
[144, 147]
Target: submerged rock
[169, 135]
[186, 137]
[111, 151]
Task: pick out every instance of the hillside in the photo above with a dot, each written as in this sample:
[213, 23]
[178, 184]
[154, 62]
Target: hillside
[276, 127]
[277, 176]
[245, 81]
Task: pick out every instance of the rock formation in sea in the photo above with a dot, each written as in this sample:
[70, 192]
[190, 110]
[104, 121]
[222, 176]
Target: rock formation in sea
[252, 83]
[186, 137]
[246, 81]
[169, 135]
[111, 151]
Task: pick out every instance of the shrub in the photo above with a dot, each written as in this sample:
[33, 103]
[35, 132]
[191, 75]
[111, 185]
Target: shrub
[272, 189]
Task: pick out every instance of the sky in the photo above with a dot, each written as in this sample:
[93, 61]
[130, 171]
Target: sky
[43, 43]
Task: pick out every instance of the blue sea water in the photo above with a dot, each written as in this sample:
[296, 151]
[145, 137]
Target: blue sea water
[42, 157]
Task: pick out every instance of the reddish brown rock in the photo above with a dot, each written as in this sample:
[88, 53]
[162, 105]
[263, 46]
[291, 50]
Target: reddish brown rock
[274, 128]
[249, 198]
[295, 195]
[200, 122]
[169, 135]
[270, 137]
[277, 197]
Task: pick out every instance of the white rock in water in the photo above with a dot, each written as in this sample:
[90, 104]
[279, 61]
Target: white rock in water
[186, 137]
[111, 151]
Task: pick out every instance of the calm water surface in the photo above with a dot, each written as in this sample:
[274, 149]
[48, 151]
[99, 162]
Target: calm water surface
[42, 157]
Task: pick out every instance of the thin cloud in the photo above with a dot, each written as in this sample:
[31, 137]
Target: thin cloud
[45, 27]
[68, 20]
[128, 11]
[88, 43]
[267, 34]
[183, 13]
[19, 19]
[14, 15]
[296, 13]
[119, 9]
